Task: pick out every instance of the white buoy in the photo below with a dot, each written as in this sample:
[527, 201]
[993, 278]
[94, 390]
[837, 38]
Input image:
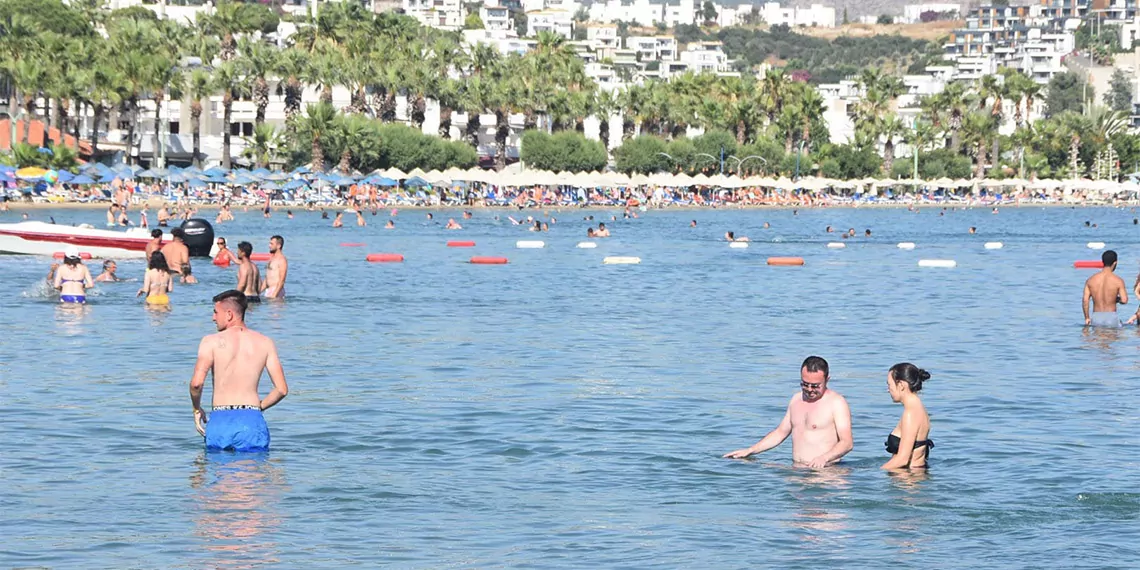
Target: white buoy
[1096, 245]
[906, 245]
[587, 245]
[738, 245]
[937, 263]
[836, 245]
[619, 260]
[994, 245]
[523, 244]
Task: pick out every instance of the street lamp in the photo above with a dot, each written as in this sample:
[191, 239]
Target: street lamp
[740, 161]
[708, 155]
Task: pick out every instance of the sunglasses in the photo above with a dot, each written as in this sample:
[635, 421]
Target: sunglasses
[810, 386]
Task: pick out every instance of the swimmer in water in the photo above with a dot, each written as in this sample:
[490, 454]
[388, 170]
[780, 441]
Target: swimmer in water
[602, 230]
[265, 211]
[276, 270]
[390, 225]
[453, 225]
[429, 216]
[545, 227]
[224, 256]
[157, 283]
[867, 232]
[827, 229]
[248, 276]
[108, 274]
[767, 225]
[1106, 290]
[72, 279]
[850, 232]
[360, 221]
[909, 443]
[187, 278]
[693, 224]
[324, 215]
[235, 357]
[289, 214]
[163, 215]
[112, 214]
[590, 232]
[466, 215]
[155, 242]
[176, 252]
[730, 236]
[973, 230]
[818, 420]
[537, 227]
[338, 221]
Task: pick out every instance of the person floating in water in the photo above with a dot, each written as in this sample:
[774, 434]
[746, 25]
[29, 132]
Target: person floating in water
[818, 420]
[73, 278]
[1105, 289]
[909, 443]
[236, 356]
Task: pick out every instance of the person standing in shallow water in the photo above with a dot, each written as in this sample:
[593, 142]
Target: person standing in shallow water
[818, 420]
[236, 356]
[1105, 289]
[909, 443]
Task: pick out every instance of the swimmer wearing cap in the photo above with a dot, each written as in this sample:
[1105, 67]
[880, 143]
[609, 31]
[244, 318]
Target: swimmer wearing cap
[1106, 290]
[72, 279]
[236, 357]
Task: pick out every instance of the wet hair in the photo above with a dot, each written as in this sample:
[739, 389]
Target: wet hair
[816, 364]
[730, 235]
[158, 261]
[177, 233]
[246, 248]
[280, 240]
[911, 374]
[186, 270]
[1108, 258]
[601, 225]
[236, 299]
[156, 233]
[108, 263]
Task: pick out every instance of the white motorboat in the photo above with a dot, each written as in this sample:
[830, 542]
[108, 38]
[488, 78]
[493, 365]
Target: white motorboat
[39, 238]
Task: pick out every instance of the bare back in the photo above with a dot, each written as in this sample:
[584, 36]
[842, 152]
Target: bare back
[177, 255]
[814, 425]
[248, 278]
[238, 356]
[1105, 288]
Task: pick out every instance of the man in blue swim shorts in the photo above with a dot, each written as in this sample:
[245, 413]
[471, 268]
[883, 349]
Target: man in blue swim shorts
[236, 356]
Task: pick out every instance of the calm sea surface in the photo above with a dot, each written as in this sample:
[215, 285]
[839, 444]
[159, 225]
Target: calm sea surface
[556, 412]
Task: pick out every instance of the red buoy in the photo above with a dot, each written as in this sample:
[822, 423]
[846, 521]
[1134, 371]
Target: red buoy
[785, 261]
[460, 244]
[259, 257]
[82, 255]
[384, 258]
[1089, 264]
[482, 260]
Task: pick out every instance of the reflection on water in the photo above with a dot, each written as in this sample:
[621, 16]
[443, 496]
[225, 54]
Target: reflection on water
[1101, 338]
[70, 318]
[812, 489]
[236, 496]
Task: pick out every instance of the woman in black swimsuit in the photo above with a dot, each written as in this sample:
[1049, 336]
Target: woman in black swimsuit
[909, 443]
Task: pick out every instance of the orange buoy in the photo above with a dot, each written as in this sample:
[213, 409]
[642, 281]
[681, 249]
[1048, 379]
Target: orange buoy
[259, 257]
[481, 260]
[352, 244]
[82, 255]
[1089, 264]
[384, 258]
[460, 244]
[785, 261]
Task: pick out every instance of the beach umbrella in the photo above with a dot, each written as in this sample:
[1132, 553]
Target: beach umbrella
[215, 172]
[395, 174]
[294, 184]
[195, 183]
[31, 173]
[81, 180]
[416, 181]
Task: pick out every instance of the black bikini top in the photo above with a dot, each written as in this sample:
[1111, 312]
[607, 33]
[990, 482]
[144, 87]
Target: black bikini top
[893, 442]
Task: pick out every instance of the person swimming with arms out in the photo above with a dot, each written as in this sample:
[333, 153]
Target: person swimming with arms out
[235, 356]
[1106, 290]
[818, 419]
[909, 443]
[248, 275]
[72, 279]
[157, 282]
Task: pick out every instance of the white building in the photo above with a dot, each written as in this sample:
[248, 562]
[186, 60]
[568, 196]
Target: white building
[603, 39]
[706, 56]
[653, 48]
[684, 12]
[912, 13]
[442, 14]
[643, 12]
[558, 22]
[815, 15]
[496, 18]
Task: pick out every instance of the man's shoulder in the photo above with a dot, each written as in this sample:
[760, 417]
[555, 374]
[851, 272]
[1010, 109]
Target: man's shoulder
[836, 398]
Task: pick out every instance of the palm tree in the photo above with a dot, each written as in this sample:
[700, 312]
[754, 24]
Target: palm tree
[954, 100]
[350, 134]
[920, 137]
[228, 80]
[199, 86]
[229, 19]
[319, 123]
[257, 62]
[976, 127]
[889, 127]
[262, 146]
[775, 88]
[292, 64]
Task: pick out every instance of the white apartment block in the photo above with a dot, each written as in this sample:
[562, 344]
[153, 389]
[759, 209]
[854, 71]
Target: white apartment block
[684, 12]
[653, 48]
[912, 13]
[442, 14]
[643, 12]
[496, 18]
[603, 39]
[706, 56]
[558, 22]
[815, 15]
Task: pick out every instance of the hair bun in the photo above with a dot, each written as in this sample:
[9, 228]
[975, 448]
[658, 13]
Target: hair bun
[923, 375]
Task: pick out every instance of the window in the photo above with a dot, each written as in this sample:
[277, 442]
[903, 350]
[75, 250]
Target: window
[174, 127]
[241, 129]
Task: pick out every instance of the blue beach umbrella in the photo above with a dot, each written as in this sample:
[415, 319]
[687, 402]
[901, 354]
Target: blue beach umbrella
[416, 181]
[81, 180]
[294, 184]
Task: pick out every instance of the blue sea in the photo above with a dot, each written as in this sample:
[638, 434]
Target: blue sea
[556, 412]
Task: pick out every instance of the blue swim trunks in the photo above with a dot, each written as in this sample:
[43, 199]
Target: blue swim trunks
[76, 299]
[237, 430]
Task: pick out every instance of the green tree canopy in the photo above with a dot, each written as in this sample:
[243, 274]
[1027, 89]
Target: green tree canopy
[1119, 95]
[641, 155]
[567, 150]
[1065, 92]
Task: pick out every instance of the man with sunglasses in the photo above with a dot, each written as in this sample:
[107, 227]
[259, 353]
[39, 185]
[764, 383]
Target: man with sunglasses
[818, 420]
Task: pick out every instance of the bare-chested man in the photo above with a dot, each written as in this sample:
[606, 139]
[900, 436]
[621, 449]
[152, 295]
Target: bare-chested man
[176, 252]
[818, 420]
[248, 275]
[1106, 289]
[276, 270]
[236, 356]
[154, 244]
